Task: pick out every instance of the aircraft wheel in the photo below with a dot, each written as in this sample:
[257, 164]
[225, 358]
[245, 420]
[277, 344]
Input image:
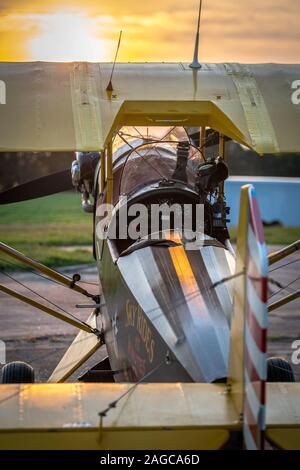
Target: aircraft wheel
[279, 370]
[17, 373]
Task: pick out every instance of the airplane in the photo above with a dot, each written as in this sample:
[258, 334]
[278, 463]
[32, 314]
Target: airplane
[183, 315]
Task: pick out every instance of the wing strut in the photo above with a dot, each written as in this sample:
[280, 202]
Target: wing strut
[50, 311]
[285, 300]
[286, 251]
[51, 273]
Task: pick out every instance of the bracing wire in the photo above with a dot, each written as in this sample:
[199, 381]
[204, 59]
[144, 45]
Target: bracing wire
[45, 299]
[114, 403]
[26, 270]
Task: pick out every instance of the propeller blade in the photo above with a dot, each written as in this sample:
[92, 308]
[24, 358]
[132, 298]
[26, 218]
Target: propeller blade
[44, 186]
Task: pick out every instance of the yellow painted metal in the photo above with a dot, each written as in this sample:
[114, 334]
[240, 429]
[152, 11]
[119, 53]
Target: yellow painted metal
[286, 251]
[65, 107]
[65, 416]
[84, 346]
[222, 157]
[283, 415]
[254, 103]
[152, 416]
[109, 173]
[42, 268]
[222, 146]
[285, 300]
[85, 106]
[45, 309]
[102, 172]
[236, 357]
[284, 438]
[203, 139]
[112, 439]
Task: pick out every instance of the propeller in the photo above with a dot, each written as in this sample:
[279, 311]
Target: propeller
[44, 186]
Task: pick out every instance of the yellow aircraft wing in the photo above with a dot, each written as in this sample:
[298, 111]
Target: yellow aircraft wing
[283, 415]
[65, 416]
[65, 106]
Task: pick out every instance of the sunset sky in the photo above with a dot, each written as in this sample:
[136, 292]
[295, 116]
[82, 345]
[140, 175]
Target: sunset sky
[156, 30]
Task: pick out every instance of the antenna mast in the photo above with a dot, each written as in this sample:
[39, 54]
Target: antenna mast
[109, 87]
[195, 64]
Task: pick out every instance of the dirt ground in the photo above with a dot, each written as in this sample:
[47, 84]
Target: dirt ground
[35, 337]
[40, 340]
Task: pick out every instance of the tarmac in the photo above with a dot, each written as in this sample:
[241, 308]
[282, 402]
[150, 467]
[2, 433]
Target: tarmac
[35, 337]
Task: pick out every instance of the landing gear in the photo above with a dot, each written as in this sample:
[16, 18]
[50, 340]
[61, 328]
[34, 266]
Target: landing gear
[279, 370]
[17, 373]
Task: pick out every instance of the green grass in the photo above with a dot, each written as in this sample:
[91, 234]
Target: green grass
[275, 235]
[64, 208]
[43, 227]
[51, 235]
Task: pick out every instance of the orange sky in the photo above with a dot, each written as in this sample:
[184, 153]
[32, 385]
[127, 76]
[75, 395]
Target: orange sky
[156, 30]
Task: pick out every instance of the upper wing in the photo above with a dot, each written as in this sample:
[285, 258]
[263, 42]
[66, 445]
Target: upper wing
[65, 106]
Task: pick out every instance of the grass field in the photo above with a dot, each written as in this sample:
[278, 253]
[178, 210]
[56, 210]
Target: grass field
[53, 229]
[275, 235]
[57, 232]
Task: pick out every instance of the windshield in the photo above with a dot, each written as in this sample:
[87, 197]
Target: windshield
[151, 153]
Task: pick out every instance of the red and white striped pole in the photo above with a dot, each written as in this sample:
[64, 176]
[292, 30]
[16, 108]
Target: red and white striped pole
[256, 321]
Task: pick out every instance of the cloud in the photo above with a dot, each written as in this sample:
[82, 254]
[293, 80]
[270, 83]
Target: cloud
[232, 30]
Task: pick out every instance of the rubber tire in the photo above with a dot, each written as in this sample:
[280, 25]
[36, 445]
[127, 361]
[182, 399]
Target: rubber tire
[17, 373]
[279, 370]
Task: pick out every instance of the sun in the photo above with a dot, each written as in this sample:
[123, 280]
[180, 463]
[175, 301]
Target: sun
[67, 37]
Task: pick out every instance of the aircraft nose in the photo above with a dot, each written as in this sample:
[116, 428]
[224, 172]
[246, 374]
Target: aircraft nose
[173, 286]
